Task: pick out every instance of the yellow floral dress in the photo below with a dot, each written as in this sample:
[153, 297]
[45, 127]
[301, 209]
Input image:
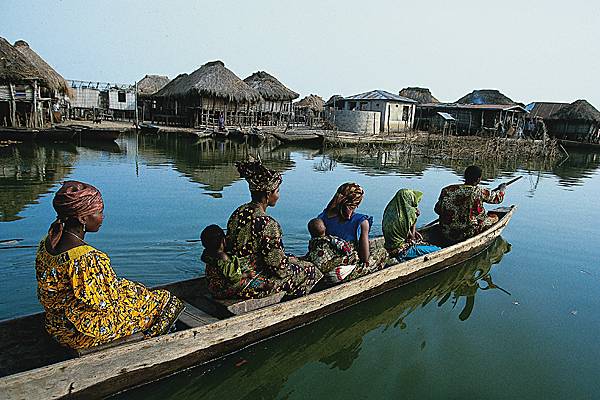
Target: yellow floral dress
[87, 305]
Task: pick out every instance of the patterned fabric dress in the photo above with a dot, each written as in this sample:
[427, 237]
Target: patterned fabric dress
[234, 278]
[252, 233]
[87, 305]
[338, 259]
[461, 211]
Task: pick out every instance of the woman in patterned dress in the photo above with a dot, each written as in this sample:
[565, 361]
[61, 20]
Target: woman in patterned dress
[257, 237]
[86, 304]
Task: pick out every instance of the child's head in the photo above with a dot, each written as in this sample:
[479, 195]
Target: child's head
[316, 227]
[213, 238]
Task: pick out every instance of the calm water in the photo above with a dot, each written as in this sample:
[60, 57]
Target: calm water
[519, 321]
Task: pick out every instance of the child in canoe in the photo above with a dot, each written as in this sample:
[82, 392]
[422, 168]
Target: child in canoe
[334, 257]
[228, 276]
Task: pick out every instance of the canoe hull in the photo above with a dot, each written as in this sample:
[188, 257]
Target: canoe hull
[116, 369]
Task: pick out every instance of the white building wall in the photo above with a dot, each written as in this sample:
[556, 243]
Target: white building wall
[115, 104]
[86, 98]
[363, 122]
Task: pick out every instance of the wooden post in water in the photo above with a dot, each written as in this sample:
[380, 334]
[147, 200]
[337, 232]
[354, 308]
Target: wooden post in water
[136, 104]
[13, 111]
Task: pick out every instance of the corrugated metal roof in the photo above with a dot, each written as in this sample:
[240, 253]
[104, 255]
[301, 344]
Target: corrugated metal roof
[446, 116]
[544, 109]
[380, 95]
[503, 107]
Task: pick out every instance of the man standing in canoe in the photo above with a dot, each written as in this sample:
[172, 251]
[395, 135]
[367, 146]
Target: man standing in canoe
[460, 207]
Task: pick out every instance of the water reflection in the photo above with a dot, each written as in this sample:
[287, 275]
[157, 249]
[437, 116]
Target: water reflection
[29, 170]
[209, 162]
[335, 341]
[577, 168]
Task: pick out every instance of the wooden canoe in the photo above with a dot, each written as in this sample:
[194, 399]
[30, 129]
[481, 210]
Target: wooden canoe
[579, 145]
[69, 133]
[148, 129]
[298, 138]
[36, 367]
[354, 140]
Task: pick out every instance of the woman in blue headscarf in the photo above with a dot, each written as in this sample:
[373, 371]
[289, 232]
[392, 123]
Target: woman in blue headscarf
[402, 240]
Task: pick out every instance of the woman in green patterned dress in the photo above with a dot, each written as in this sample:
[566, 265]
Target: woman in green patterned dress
[254, 235]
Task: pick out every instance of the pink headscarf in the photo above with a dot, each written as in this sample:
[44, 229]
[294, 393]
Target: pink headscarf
[73, 200]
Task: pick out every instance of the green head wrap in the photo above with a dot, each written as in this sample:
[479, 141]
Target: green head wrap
[399, 216]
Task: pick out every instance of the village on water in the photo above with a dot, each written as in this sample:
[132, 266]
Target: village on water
[214, 235]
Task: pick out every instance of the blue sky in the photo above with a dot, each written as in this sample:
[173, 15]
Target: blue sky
[530, 50]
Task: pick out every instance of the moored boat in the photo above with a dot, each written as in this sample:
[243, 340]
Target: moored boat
[60, 133]
[39, 368]
[149, 129]
[298, 138]
[347, 139]
[579, 145]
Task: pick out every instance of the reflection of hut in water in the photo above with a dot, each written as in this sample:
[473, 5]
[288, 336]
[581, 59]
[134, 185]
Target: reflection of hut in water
[579, 167]
[209, 163]
[146, 88]
[28, 171]
[276, 104]
[337, 340]
[577, 121]
[29, 88]
[198, 99]
[373, 163]
[308, 111]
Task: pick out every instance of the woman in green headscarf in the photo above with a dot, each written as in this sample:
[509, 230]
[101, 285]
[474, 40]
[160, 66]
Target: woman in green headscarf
[400, 227]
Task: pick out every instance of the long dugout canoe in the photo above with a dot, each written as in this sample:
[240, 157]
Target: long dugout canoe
[109, 371]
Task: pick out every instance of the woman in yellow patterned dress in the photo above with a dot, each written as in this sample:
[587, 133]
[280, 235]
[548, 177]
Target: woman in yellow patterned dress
[86, 304]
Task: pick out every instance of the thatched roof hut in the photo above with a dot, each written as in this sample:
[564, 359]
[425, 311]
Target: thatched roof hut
[419, 94]
[579, 110]
[311, 102]
[269, 87]
[212, 79]
[52, 79]
[14, 66]
[150, 84]
[334, 99]
[485, 96]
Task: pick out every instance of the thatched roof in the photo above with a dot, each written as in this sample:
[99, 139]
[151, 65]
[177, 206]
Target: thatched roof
[269, 87]
[419, 94]
[211, 80]
[485, 96]
[579, 110]
[543, 109]
[313, 102]
[151, 84]
[52, 79]
[14, 66]
[334, 99]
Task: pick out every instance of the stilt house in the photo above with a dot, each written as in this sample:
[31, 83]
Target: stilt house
[309, 110]
[577, 121]
[29, 87]
[146, 88]
[481, 112]
[276, 104]
[199, 98]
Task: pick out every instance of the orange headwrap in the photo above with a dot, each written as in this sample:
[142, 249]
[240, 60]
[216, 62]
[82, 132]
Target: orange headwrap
[73, 200]
[348, 195]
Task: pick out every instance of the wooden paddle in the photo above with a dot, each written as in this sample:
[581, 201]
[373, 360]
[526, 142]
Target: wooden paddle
[506, 184]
